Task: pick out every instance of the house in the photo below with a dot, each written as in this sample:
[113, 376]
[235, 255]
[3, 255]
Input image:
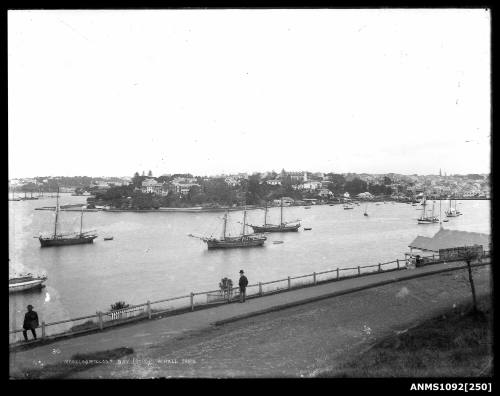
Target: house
[287, 201]
[274, 182]
[325, 193]
[183, 185]
[232, 181]
[151, 186]
[311, 185]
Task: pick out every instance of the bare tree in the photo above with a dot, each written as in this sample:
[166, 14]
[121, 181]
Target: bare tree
[468, 255]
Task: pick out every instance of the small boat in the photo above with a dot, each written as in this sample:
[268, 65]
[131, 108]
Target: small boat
[277, 242]
[348, 206]
[307, 228]
[26, 282]
[307, 207]
[108, 238]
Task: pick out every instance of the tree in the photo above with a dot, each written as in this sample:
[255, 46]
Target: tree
[337, 183]
[355, 186]
[119, 305]
[468, 255]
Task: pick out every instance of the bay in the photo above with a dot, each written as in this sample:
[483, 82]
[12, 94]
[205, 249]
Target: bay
[151, 256]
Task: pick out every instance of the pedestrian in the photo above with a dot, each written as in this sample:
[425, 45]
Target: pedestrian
[243, 286]
[30, 322]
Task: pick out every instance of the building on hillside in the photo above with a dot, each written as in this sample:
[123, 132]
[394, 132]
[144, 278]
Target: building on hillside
[182, 186]
[232, 181]
[295, 177]
[151, 186]
[311, 185]
[274, 182]
[325, 193]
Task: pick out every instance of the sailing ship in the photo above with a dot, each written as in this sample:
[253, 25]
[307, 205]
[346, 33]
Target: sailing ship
[226, 242]
[452, 212]
[67, 239]
[424, 219]
[281, 227]
[25, 282]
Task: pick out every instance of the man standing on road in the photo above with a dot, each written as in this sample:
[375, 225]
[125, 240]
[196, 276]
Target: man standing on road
[30, 323]
[243, 286]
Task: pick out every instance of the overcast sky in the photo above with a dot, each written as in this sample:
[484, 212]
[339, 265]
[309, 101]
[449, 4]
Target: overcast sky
[220, 91]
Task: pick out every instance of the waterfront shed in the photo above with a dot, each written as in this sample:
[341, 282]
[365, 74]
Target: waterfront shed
[446, 239]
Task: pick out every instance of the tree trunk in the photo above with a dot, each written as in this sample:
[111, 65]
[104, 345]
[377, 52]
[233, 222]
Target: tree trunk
[473, 290]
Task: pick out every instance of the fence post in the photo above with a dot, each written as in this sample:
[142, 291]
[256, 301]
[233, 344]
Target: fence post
[359, 270]
[379, 267]
[260, 289]
[314, 277]
[148, 307]
[191, 296]
[337, 273]
[43, 329]
[289, 283]
[99, 315]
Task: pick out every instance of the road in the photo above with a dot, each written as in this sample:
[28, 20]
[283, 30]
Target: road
[301, 341]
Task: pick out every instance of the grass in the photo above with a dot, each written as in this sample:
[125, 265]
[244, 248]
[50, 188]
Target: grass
[78, 362]
[456, 344]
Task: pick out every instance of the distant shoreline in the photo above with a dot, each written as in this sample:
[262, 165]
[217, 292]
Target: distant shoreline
[76, 208]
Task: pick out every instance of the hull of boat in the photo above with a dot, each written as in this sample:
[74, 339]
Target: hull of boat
[426, 221]
[276, 228]
[22, 286]
[235, 243]
[79, 240]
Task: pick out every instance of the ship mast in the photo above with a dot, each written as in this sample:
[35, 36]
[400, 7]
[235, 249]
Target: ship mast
[439, 210]
[244, 221]
[57, 212]
[281, 216]
[265, 215]
[224, 226]
[81, 222]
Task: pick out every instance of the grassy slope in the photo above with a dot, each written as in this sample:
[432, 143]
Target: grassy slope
[458, 344]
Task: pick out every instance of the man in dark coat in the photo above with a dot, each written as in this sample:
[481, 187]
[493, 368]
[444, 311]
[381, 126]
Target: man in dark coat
[243, 286]
[30, 323]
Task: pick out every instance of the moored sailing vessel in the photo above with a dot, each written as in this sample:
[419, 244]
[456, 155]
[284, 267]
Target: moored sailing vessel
[424, 219]
[288, 226]
[226, 242]
[67, 239]
[452, 211]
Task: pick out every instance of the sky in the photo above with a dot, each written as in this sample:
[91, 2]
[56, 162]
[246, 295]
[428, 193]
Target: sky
[112, 92]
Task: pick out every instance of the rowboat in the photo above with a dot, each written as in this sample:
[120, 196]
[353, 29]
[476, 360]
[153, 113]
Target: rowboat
[26, 282]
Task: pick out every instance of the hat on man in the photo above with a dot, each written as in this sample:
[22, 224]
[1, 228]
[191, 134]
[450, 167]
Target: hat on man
[241, 271]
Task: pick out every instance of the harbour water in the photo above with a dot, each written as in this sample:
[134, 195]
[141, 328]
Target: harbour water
[151, 256]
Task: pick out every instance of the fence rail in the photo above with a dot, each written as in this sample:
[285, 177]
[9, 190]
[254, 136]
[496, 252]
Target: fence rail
[100, 320]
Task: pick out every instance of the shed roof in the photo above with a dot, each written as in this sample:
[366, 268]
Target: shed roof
[445, 239]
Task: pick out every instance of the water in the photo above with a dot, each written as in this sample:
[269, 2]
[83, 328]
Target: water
[152, 258]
